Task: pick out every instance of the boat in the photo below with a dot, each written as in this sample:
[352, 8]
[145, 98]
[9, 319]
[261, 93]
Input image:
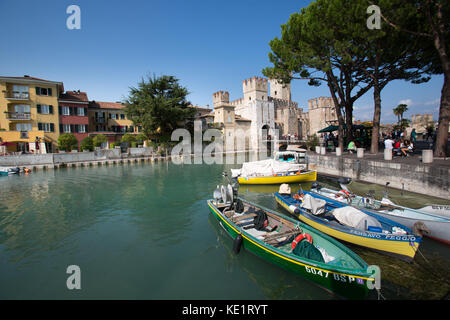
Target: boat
[4, 171]
[271, 236]
[280, 177]
[434, 224]
[356, 226]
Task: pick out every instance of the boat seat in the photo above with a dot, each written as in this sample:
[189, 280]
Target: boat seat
[245, 216]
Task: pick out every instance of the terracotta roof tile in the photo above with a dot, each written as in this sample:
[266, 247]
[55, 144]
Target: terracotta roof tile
[74, 96]
[105, 105]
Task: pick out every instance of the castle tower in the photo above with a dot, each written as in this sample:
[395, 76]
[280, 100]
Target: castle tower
[279, 90]
[220, 98]
[255, 89]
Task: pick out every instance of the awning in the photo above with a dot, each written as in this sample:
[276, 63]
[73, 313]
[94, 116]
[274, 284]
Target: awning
[8, 143]
[335, 128]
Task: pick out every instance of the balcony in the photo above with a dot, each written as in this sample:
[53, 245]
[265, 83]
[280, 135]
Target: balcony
[17, 95]
[18, 115]
[100, 120]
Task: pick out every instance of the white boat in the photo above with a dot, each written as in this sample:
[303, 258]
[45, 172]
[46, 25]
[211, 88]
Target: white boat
[433, 225]
[282, 162]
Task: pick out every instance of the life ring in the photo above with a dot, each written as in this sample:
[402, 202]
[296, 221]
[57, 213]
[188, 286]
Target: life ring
[300, 238]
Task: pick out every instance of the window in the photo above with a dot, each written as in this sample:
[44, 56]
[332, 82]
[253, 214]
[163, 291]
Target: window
[66, 111]
[82, 128]
[20, 91]
[122, 116]
[44, 109]
[21, 108]
[114, 116]
[81, 112]
[23, 127]
[43, 91]
[46, 127]
[66, 128]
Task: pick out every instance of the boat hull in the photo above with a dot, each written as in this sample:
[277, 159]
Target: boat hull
[302, 177]
[439, 226]
[397, 245]
[352, 285]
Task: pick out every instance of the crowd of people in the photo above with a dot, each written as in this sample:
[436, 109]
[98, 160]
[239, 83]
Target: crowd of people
[399, 144]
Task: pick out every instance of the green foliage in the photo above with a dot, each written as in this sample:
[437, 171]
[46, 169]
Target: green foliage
[99, 139]
[159, 105]
[312, 142]
[399, 111]
[87, 144]
[141, 137]
[128, 137]
[112, 145]
[67, 142]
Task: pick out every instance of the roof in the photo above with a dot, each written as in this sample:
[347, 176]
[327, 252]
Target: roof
[77, 96]
[105, 105]
[237, 117]
[27, 78]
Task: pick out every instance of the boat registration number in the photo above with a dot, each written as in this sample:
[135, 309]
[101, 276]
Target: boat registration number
[337, 277]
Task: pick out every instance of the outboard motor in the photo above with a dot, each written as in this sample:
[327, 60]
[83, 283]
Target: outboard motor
[316, 185]
[217, 195]
[344, 182]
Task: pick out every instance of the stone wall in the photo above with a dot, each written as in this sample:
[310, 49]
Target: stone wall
[417, 178]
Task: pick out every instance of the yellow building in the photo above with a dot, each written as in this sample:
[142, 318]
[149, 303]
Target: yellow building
[29, 110]
[110, 119]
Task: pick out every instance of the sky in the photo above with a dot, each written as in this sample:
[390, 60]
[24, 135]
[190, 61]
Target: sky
[209, 45]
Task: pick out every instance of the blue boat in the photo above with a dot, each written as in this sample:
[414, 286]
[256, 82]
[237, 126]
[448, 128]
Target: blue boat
[356, 226]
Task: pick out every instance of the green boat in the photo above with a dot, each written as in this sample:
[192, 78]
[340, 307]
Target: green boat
[314, 256]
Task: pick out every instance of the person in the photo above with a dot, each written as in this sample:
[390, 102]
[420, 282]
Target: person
[404, 147]
[413, 135]
[388, 143]
[351, 146]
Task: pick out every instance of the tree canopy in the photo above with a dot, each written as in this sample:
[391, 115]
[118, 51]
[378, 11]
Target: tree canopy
[159, 105]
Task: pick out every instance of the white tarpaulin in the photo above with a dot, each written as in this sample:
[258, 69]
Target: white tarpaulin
[355, 218]
[267, 167]
[317, 206]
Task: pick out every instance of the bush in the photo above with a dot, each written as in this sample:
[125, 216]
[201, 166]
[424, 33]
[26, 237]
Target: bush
[312, 142]
[112, 145]
[141, 138]
[87, 144]
[134, 144]
[128, 137]
[67, 142]
[99, 139]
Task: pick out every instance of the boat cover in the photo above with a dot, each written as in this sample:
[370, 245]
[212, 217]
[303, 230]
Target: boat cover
[267, 167]
[355, 218]
[317, 206]
[284, 189]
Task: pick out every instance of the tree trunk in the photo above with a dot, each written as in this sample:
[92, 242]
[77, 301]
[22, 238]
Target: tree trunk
[444, 118]
[349, 122]
[376, 118]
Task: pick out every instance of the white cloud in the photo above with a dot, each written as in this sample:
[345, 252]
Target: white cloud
[408, 102]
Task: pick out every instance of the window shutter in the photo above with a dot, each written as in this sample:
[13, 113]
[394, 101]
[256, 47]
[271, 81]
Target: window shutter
[52, 127]
[49, 91]
[61, 128]
[50, 109]
[38, 107]
[59, 110]
[38, 91]
[39, 126]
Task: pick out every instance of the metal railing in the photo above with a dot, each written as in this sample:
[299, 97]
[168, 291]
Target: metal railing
[17, 95]
[18, 115]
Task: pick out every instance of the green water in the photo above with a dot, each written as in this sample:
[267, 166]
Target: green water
[143, 231]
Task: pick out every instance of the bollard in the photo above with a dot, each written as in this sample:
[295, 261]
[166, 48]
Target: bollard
[338, 151]
[317, 149]
[387, 154]
[427, 156]
[360, 152]
[323, 150]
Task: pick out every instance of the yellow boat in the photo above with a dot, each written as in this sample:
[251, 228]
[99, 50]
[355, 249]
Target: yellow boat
[279, 178]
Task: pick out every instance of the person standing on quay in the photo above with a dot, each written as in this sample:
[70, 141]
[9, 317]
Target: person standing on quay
[413, 135]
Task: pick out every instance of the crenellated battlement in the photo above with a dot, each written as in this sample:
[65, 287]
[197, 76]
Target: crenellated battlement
[255, 84]
[221, 97]
[320, 102]
[282, 103]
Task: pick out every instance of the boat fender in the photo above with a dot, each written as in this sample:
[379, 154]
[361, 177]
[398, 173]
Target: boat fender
[237, 244]
[299, 238]
[294, 209]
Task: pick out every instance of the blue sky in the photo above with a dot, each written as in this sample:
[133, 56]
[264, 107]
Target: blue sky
[208, 45]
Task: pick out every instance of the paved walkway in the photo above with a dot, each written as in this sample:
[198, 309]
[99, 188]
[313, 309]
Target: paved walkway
[415, 158]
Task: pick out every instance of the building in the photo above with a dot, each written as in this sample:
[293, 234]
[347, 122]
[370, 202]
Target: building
[321, 114]
[73, 114]
[29, 119]
[109, 119]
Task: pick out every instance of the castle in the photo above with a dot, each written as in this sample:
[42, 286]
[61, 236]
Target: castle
[262, 110]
